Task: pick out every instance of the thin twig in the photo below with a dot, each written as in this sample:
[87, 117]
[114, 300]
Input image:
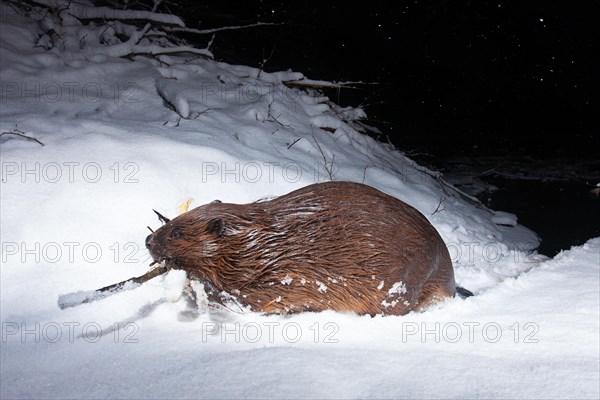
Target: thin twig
[201, 112]
[177, 124]
[225, 28]
[439, 207]
[19, 133]
[395, 169]
[365, 174]
[264, 62]
[294, 142]
[328, 166]
[273, 118]
[304, 84]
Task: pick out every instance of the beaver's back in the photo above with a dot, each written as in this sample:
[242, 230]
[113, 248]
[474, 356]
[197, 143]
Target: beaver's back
[359, 247]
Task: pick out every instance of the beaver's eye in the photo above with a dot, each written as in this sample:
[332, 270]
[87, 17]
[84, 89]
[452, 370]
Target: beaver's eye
[176, 234]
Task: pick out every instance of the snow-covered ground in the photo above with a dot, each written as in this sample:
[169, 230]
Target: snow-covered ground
[124, 136]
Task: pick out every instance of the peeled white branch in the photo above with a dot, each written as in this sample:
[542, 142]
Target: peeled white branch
[126, 49]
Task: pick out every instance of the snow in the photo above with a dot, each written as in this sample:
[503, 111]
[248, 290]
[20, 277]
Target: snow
[322, 287]
[122, 137]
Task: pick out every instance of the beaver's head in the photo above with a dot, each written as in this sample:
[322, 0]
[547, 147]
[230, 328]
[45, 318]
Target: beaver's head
[185, 240]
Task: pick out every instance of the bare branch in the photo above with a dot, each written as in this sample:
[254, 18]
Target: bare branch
[394, 168]
[224, 28]
[365, 174]
[439, 207]
[328, 166]
[157, 50]
[264, 61]
[19, 133]
[273, 118]
[309, 83]
[294, 142]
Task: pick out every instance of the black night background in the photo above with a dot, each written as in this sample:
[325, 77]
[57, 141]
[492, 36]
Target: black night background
[467, 77]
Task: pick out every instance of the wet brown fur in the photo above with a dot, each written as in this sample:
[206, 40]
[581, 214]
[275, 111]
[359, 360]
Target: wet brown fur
[327, 246]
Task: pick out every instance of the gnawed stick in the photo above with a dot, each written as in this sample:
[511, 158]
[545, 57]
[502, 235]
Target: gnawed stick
[77, 298]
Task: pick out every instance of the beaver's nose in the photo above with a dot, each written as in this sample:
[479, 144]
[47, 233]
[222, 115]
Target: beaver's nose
[148, 241]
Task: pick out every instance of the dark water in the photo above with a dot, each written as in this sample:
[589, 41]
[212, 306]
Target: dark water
[563, 213]
[556, 197]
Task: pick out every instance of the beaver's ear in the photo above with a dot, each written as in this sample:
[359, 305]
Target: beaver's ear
[216, 226]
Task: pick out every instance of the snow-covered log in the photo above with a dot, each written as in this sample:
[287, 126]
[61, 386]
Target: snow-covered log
[84, 12]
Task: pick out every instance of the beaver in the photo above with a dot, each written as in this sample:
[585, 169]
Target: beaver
[339, 246]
